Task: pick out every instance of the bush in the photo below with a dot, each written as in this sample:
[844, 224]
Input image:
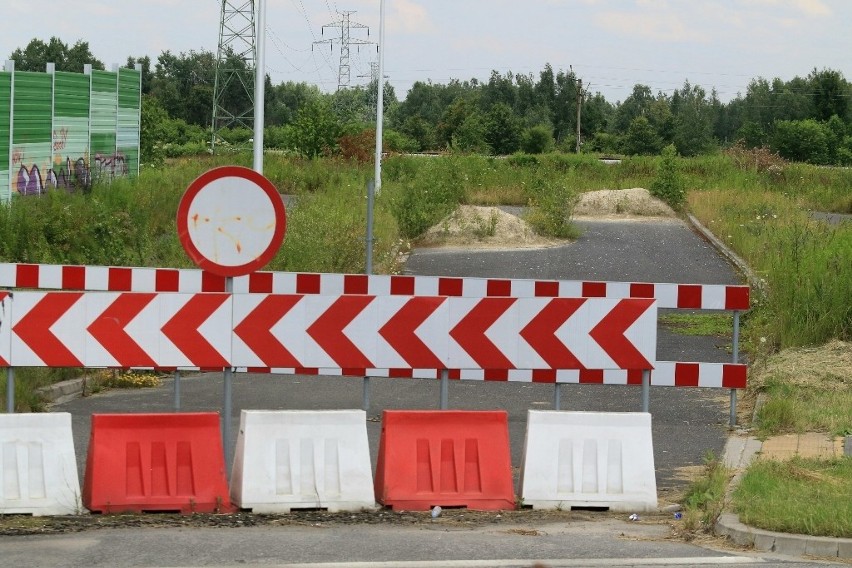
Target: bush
[552, 203]
[669, 185]
[436, 190]
[537, 140]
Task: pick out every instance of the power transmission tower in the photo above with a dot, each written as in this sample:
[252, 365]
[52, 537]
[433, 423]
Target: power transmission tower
[233, 90]
[345, 24]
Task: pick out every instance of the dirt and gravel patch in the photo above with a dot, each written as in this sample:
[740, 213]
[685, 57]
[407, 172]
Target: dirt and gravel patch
[473, 226]
[12, 525]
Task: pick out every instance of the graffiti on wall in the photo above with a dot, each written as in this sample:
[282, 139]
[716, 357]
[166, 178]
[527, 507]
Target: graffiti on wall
[71, 175]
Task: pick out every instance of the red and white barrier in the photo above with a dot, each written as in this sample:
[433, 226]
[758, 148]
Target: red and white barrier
[665, 373]
[109, 329]
[124, 279]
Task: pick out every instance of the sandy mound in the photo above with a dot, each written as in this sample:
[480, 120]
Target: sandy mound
[621, 203]
[472, 226]
[476, 227]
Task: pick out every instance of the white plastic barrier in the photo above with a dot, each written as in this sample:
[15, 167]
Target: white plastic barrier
[302, 460]
[38, 467]
[589, 459]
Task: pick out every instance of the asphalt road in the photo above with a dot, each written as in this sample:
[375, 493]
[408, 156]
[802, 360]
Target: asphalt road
[687, 423]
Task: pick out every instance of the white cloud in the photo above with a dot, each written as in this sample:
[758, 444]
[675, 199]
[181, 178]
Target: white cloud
[812, 7]
[409, 17]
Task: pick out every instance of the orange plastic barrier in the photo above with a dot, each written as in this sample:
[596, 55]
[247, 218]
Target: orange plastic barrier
[448, 458]
[156, 462]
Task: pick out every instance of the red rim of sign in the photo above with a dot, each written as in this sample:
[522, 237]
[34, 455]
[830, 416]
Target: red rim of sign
[183, 220]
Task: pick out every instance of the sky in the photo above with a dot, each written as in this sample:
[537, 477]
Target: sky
[610, 44]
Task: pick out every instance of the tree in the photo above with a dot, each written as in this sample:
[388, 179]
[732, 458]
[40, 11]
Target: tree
[637, 104]
[38, 54]
[470, 135]
[147, 76]
[830, 94]
[315, 129]
[152, 130]
[693, 127]
[502, 129]
[641, 138]
[802, 141]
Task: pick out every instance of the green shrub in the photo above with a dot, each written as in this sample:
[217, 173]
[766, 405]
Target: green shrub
[668, 185]
[552, 205]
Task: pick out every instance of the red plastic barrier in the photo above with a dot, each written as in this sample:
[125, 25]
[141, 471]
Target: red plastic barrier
[156, 462]
[448, 458]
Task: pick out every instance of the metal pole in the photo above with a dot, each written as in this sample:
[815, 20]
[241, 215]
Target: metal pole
[10, 390]
[380, 96]
[371, 190]
[259, 87]
[445, 376]
[736, 356]
[177, 390]
[557, 396]
[646, 390]
[227, 380]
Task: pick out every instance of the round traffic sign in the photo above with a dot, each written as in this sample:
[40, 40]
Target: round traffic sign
[231, 221]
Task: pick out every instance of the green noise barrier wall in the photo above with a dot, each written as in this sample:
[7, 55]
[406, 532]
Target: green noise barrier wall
[66, 130]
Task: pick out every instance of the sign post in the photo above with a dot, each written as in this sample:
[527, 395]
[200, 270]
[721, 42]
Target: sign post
[231, 222]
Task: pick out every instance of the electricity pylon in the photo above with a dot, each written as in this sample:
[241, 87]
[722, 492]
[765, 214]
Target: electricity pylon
[235, 64]
[345, 24]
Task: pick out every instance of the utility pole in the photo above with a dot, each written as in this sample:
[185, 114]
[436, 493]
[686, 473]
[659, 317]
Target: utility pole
[235, 65]
[345, 24]
[580, 95]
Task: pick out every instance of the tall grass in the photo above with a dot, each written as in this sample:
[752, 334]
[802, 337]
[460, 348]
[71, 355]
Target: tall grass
[806, 263]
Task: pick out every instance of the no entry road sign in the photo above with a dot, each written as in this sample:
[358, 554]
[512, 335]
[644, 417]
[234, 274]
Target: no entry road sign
[231, 221]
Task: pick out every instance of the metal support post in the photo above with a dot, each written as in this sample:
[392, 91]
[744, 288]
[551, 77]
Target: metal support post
[371, 191]
[732, 422]
[10, 390]
[365, 395]
[445, 380]
[177, 390]
[227, 380]
[646, 390]
[557, 396]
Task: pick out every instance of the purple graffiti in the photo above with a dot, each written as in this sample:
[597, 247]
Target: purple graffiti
[70, 178]
[29, 181]
[110, 165]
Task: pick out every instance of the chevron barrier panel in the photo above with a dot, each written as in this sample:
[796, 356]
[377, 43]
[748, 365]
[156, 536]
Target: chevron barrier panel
[129, 279]
[38, 466]
[589, 459]
[108, 329]
[156, 462]
[300, 459]
[448, 458]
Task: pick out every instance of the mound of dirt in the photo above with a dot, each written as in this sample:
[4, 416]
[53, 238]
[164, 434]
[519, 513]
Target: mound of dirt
[621, 204]
[475, 227]
[472, 226]
[827, 367]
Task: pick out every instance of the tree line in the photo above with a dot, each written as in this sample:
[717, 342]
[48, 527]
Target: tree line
[806, 119]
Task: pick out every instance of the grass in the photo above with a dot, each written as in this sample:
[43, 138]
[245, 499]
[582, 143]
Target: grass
[705, 497]
[719, 325]
[798, 496]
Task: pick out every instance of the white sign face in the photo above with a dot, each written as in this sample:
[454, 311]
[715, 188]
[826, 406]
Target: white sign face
[231, 221]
